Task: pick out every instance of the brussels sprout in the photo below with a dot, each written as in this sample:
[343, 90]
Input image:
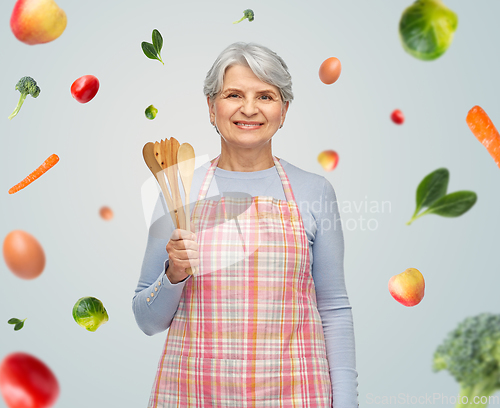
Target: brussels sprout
[426, 29]
[151, 112]
[90, 313]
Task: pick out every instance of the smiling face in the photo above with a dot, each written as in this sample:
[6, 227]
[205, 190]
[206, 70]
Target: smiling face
[247, 111]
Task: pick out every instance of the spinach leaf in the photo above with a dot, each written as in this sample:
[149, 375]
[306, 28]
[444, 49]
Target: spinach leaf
[432, 187]
[157, 41]
[454, 204]
[431, 193]
[152, 51]
[149, 50]
[18, 323]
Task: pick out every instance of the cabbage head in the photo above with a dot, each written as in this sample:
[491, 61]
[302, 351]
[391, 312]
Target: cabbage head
[426, 29]
[90, 313]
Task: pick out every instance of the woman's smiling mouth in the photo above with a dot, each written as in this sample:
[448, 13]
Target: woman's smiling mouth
[248, 125]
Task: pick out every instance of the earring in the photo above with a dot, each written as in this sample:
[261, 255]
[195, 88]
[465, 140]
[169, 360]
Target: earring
[281, 125]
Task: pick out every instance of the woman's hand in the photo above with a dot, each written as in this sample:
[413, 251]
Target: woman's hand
[182, 253]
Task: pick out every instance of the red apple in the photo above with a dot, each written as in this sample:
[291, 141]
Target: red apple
[37, 21]
[328, 159]
[407, 287]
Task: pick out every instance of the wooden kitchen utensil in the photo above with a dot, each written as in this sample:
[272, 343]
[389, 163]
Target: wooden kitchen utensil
[150, 158]
[185, 162]
[169, 151]
[161, 158]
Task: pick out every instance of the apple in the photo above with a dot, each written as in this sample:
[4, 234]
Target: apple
[37, 21]
[407, 287]
[328, 159]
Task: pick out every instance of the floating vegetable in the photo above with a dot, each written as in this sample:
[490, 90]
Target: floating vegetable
[23, 254]
[152, 51]
[483, 128]
[471, 354]
[426, 29]
[397, 117]
[18, 323]
[328, 159]
[27, 382]
[85, 88]
[431, 192]
[151, 112]
[46, 165]
[27, 86]
[329, 71]
[246, 14]
[90, 313]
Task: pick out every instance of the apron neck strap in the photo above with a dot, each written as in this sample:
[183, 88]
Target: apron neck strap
[210, 173]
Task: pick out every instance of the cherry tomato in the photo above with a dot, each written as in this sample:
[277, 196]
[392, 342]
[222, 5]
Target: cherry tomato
[26, 382]
[85, 88]
[397, 117]
[329, 71]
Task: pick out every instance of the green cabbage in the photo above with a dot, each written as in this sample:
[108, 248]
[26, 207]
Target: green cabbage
[90, 313]
[426, 29]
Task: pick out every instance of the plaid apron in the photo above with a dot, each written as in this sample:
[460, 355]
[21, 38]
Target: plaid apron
[247, 332]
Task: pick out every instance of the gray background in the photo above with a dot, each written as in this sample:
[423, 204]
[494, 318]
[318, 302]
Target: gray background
[100, 144]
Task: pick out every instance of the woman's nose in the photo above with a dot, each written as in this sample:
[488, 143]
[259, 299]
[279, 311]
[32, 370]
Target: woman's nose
[249, 107]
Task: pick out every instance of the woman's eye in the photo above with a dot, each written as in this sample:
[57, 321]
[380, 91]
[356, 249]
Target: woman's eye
[232, 95]
[266, 97]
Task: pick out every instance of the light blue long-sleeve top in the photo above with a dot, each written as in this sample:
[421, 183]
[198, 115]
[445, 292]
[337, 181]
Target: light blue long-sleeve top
[156, 299]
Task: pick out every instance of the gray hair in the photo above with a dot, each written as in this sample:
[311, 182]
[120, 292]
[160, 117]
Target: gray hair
[268, 66]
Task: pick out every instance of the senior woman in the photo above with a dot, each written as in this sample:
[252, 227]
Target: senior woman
[265, 321]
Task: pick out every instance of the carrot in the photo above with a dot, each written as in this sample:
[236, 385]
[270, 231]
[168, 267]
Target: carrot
[46, 165]
[482, 127]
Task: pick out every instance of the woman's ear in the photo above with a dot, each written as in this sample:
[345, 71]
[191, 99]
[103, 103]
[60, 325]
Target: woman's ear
[211, 110]
[284, 110]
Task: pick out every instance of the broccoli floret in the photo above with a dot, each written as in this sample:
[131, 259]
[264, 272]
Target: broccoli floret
[246, 14]
[26, 85]
[471, 354]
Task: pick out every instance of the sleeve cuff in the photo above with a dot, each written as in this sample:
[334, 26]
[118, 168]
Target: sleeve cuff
[166, 281]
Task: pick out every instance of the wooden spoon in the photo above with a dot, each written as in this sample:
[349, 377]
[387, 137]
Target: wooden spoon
[169, 155]
[148, 152]
[185, 161]
[172, 153]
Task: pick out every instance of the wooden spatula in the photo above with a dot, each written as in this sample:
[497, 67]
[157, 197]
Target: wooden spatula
[185, 161]
[148, 152]
[169, 154]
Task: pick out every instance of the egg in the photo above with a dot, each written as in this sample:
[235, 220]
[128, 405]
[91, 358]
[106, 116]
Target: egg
[23, 254]
[106, 213]
[329, 71]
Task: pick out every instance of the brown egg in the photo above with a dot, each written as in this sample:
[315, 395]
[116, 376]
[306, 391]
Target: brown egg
[106, 213]
[329, 71]
[23, 254]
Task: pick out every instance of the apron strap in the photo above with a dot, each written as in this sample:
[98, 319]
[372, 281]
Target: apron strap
[210, 173]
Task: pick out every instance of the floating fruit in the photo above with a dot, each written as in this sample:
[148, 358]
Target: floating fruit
[328, 159]
[407, 287]
[37, 21]
[397, 117]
